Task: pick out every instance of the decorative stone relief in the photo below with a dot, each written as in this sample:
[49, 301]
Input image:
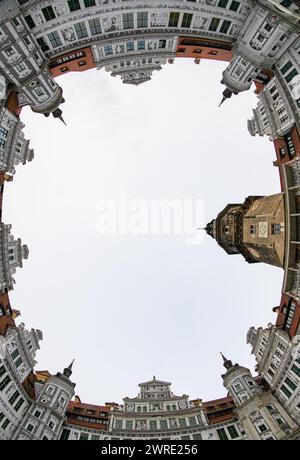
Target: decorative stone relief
[112, 23]
[159, 19]
[200, 22]
[61, 8]
[69, 34]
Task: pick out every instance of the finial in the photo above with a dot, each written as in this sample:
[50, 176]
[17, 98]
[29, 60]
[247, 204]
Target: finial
[58, 114]
[226, 95]
[153, 377]
[224, 359]
[68, 370]
[222, 101]
[61, 119]
[226, 362]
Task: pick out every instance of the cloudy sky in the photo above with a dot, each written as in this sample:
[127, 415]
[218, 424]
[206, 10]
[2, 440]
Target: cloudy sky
[127, 307]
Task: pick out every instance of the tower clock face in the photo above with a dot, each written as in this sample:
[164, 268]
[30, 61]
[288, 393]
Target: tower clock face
[263, 229]
[130, 407]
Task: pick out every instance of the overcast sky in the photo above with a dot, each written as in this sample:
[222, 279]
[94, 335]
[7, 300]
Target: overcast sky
[128, 307]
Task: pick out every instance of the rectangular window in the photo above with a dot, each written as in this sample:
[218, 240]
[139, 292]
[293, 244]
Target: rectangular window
[192, 421]
[88, 3]
[19, 404]
[141, 45]
[290, 145]
[223, 3]
[130, 46]
[5, 424]
[182, 422]
[234, 5]
[268, 28]
[119, 424]
[20, 67]
[153, 425]
[222, 434]
[162, 44]
[262, 428]
[80, 29]
[54, 39]
[291, 75]
[83, 437]
[43, 44]
[108, 49]
[128, 21]
[225, 27]
[4, 382]
[48, 13]
[29, 21]
[173, 19]
[142, 19]
[2, 371]
[214, 23]
[3, 132]
[286, 67]
[271, 373]
[163, 425]
[290, 383]
[296, 370]
[253, 229]
[18, 362]
[276, 229]
[14, 397]
[233, 432]
[187, 20]
[65, 434]
[129, 425]
[74, 5]
[95, 26]
[285, 391]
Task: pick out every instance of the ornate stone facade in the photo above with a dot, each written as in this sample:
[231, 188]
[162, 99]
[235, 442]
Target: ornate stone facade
[11, 256]
[23, 63]
[260, 413]
[14, 148]
[17, 360]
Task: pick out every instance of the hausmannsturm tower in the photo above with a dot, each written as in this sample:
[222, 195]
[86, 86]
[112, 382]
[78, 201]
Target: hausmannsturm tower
[260, 40]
